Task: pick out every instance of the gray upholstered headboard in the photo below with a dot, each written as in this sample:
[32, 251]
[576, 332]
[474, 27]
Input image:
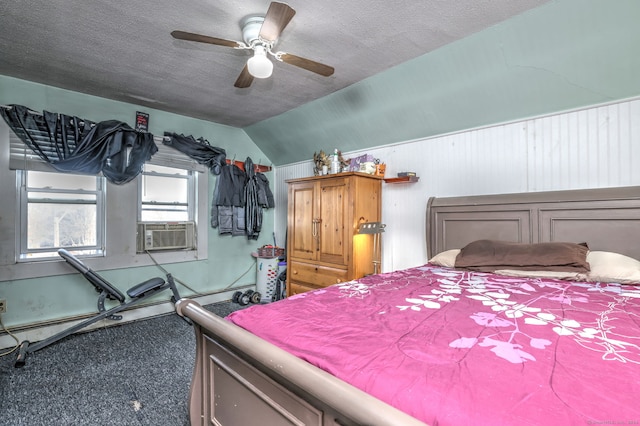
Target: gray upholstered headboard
[606, 218]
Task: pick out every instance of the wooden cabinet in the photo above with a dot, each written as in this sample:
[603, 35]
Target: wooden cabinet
[323, 246]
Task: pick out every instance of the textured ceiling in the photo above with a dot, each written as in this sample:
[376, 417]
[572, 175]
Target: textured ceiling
[123, 50]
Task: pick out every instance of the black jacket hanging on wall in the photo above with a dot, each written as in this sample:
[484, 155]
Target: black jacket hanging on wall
[258, 196]
[73, 145]
[253, 211]
[238, 200]
[227, 210]
[265, 196]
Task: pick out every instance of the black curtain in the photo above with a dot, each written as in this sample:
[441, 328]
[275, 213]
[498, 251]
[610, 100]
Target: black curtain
[73, 145]
[200, 150]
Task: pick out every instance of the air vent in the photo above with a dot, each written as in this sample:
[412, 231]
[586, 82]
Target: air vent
[166, 236]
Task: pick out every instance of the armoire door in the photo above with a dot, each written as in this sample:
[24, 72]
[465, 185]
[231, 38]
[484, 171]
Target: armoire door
[301, 226]
[332, 208]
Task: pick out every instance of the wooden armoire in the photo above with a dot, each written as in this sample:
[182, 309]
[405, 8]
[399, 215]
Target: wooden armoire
[323, 245]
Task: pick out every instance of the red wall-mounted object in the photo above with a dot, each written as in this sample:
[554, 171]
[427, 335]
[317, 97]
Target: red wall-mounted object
[258, 168]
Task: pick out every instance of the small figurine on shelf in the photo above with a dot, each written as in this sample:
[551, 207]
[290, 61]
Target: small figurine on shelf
[321, 162]
[344, 163]
[381, 168]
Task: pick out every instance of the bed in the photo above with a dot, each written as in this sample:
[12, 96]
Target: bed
[450, 342]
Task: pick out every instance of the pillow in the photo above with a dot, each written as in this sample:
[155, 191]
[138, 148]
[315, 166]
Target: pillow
[492, 255]
[612, 268]
[446, 258]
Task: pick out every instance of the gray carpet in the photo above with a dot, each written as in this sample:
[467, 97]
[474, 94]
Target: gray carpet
[134, 374]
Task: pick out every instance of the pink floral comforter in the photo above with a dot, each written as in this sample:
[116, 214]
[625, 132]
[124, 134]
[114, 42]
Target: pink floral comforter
[456, 347]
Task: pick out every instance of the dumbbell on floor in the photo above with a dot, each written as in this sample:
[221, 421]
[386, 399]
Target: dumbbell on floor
[247, 297]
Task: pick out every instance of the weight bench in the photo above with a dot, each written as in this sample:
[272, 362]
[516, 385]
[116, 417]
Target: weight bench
[136, 294]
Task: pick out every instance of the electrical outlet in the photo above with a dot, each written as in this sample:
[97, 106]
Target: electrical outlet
[3, 306]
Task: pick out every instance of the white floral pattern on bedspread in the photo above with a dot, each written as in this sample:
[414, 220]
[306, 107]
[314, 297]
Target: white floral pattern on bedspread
[458, 347]
[598, 334]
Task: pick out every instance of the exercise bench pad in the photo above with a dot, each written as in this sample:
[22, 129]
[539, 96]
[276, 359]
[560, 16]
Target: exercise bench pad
[146, 286]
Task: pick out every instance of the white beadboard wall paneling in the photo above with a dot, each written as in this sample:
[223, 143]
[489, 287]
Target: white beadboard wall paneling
[281, 174]
[589, 148]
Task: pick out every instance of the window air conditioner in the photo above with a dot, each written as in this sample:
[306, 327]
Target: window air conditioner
[165, 236]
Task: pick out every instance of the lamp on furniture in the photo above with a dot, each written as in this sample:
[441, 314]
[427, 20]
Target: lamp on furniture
[374, 228]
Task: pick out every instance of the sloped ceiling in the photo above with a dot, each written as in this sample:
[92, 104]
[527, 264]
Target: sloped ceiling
[403, 70]
[123, 50]
[560, 56]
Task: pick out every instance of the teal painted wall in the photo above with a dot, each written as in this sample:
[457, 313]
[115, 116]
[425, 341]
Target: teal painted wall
[43, 299]
[563, 55]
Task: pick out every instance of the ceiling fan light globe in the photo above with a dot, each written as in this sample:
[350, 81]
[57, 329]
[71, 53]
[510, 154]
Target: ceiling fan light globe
[259, 65]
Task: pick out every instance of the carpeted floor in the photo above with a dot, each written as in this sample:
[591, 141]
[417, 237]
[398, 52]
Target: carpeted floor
[134, 374]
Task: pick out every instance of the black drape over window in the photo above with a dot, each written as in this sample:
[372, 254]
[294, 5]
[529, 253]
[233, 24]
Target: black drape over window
[200, 150]
[73, 145]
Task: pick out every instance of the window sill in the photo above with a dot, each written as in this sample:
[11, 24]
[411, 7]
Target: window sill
[57, 266]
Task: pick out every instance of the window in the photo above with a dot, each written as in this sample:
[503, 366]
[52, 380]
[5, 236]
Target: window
[59, 210]
[167, 194]
[27, 251]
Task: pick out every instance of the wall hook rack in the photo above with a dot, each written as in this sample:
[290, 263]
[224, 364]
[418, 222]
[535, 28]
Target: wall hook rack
[258, 168]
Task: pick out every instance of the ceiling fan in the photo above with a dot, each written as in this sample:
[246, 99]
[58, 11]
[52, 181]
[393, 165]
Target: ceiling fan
[260, 34]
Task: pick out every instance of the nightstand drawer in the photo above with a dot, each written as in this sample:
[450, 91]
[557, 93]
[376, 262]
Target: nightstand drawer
[320, 276]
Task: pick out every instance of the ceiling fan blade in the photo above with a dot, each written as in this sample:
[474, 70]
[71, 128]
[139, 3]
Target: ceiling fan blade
[244, 79]
[182, 35]
[277, 18]
[307, 64]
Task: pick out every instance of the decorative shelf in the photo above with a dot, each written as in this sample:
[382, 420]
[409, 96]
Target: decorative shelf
[403, 179]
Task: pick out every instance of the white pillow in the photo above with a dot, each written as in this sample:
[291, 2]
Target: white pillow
[446, 258]
[605, 267]
[611, 267]
[557, 275]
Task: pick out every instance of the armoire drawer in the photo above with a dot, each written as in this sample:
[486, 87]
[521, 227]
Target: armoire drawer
[317, 275]
[297, 288]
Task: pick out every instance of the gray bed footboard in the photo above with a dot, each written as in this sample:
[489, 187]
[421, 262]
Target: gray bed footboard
[240, 379]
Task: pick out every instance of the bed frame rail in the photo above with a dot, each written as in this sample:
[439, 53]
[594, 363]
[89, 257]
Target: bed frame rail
[241, 379]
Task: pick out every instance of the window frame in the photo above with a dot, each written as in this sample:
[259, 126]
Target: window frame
[192, 187]
[22, 244]
[120, 222]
